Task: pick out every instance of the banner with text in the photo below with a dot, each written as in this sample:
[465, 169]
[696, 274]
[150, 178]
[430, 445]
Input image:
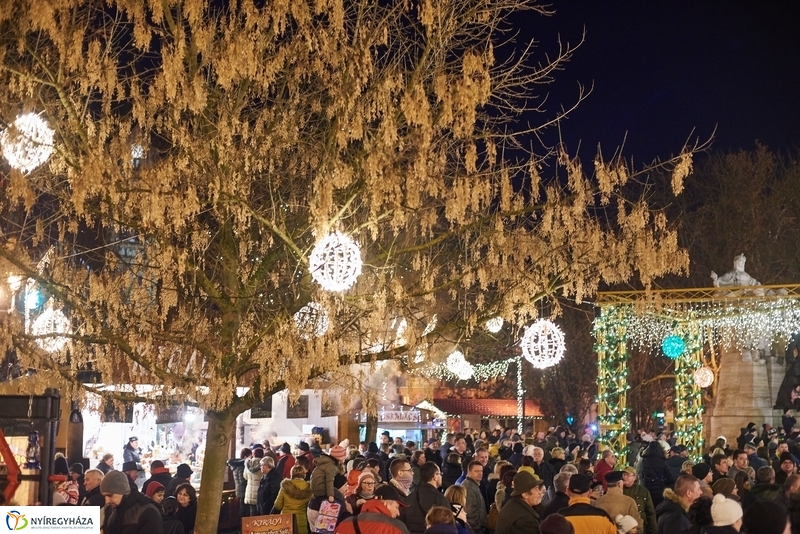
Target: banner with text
[46, 519]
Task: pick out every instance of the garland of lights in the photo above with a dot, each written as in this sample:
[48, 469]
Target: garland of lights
[688, 393]
[27, 143]
[480, 372]
[613, 416]
[335, 262]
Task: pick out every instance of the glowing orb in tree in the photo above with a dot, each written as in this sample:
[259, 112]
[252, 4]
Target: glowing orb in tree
[494, 324]
[543, 344]
[673, 346]
[49, 324]
[311, 320]
[459, 366]
[335, 262]
[704, 377]
[27, 143]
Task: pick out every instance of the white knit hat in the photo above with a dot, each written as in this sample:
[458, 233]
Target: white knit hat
[626, 523]
[725, 511]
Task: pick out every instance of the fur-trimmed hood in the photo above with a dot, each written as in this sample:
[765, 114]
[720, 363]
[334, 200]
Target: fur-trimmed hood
[674, 497]
[296, 488]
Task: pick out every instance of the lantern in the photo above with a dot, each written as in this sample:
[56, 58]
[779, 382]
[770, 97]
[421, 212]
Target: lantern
[335, 262]
[543, 344]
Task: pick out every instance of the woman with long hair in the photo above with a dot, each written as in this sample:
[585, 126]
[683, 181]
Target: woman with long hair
[186, 496]
[457, 495]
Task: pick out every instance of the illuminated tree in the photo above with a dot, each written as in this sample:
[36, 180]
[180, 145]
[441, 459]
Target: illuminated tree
[201, 149]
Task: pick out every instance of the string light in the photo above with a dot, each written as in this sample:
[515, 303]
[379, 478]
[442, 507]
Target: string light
[480, 372]
[495, 324]
[27, 143]
[543, 344]
[311, 320]
[335, 262]
[49, 324]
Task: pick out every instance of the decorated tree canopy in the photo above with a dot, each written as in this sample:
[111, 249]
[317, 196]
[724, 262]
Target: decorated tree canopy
[202, 149]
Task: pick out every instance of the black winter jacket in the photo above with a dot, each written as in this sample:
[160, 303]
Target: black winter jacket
[419, 503]
[136, 514]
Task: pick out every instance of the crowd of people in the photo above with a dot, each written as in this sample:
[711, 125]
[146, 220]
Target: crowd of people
[486, 482]
[551, 482]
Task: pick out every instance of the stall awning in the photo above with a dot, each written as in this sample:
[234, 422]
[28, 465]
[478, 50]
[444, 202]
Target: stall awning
[486, 407]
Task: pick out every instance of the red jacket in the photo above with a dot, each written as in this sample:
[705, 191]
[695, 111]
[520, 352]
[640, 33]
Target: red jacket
[601, 469]
[374, 518]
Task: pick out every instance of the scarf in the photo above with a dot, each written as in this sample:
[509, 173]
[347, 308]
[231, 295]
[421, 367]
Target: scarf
[403, 482]
[365, 496]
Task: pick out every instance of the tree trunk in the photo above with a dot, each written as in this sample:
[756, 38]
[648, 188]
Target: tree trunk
[371, 432]
[218, 439]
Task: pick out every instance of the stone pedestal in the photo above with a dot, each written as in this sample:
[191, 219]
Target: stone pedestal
[746, 394]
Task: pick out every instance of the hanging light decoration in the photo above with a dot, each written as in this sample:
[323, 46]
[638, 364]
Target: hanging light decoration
[673, 346]
[494, 324]
[27, 143]
[543, 344]
[704, 377]
[335, 262]
[459, 366]
[50, 323]
[311, 320]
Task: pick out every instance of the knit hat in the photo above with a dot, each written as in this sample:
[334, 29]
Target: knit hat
[613, 477]
[353, 476]
[556, 524]
[344, 443]
[338, 453]
[115, 482]
[765, 518]
[153, 487]
[76, 468]
[132, 439]
[725, 511]
[183, 471]
[286, 448]
[526, 469]
[432, 441]
[723, 486]
[786, 456]
[524, 482]
[626, 523]
[580, 484]
[701, 470]
[61, 467]
[630, 470]
[304, 446]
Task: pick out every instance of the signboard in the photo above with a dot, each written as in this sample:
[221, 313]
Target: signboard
[262, 411]
[52, 519]
[277, 524]
[298, 410]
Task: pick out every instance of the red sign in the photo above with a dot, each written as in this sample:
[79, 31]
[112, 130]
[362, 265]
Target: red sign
[277, 524]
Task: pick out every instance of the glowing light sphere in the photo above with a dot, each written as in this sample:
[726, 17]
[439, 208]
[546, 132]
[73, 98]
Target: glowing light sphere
[311, 320]
[49, 323]
[27, 143]
[543, 344]
[704, 377]
[673, 346]
[335, 262]
[459, 366]
[494, 324]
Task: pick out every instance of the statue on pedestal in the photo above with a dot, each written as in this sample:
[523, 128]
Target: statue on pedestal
[737, 277]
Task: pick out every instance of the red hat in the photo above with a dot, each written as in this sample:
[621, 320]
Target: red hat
[153, 487]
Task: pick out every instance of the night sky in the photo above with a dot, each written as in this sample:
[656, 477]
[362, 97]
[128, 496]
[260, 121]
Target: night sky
[662, 70]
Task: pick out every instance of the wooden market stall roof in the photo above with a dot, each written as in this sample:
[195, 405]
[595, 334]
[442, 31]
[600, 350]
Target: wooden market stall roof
[487, 407]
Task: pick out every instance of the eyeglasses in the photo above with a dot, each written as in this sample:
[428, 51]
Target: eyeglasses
[367, 483]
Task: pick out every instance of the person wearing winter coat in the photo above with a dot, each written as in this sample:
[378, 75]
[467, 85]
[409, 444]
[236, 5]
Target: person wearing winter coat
[520, 513]
[169, 509]
[451, 471]
[425, 498]
[377, 517]
[268, 486]
[91, 483]
[293, 497]
[614, 502]
[440, 520]
[285, 461]
[128, 512]
[644, 502]
[237, 468]
[672, 511]
[252, 475]
[325, 470]
[365, 491]
[158, 473]
[131, 451]
[655, 474]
